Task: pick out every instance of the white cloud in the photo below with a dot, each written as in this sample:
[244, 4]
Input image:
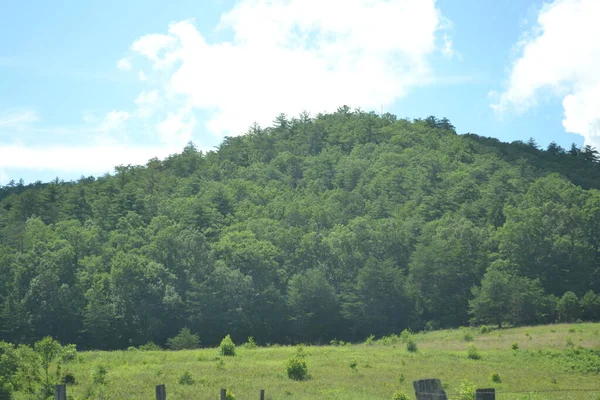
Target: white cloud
[177, 127]
[17, 119]
[147, 104]
[84, 160]
[124, 64]
[142, 76]
[448, 49]
[560, 56]
[289, 56]
[114, 121]
[4, 177]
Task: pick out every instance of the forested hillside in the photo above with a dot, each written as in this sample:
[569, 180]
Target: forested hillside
[342, 225]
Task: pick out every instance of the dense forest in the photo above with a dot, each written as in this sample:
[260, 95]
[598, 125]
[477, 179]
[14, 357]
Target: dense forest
[339, 226]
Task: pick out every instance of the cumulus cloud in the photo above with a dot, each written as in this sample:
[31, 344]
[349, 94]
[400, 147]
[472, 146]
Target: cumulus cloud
[289, 56]
[560, 56]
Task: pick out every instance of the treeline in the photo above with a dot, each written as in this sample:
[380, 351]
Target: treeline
[334, 226]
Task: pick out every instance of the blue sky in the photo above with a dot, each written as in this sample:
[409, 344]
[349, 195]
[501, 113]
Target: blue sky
[85, 86]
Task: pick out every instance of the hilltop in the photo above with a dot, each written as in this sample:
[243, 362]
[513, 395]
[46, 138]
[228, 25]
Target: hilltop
[339, 226]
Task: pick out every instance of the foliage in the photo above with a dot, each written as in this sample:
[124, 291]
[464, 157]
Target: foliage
[48, 350]
[495, 377]
[514, 346]
[229, 395]
[468, 337]
[411, 345]
[398, 395]
[184, 340]
[466, 390]
[296, 367]
[69, 378]
[99, 374]
[151, 346]
[227, 347]
[186, 378]
[337, 225]
[484, 329]
[473, 353]
[568, 307]
[250, 344]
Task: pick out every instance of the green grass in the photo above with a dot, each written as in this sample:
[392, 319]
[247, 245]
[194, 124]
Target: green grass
[541, 363]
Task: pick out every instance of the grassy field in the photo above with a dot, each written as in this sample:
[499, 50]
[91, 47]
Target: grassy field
[551, 357]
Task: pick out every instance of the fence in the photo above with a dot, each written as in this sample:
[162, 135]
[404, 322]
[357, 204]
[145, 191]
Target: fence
[425, 389]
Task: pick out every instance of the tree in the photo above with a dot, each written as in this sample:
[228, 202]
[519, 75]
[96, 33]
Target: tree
[492, 300]
[48, 350]
[568, 307]
[590, 306]
[313, 305]
[184, 340]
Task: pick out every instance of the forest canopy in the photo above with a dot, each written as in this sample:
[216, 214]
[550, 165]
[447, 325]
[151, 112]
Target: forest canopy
[339, 226]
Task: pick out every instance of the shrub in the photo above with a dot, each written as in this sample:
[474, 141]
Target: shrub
[150, 346]
[186, 379]
[227, 347]
[398, 395]
[496, 377]
[411, 345]
[69, 378]
[370, 340]
[229, 395]
[99, 375]
[334, 342]
[184, 340]
[473, 353]
[514, 346]
[466, 391]
[69, 353]
[483, 329]
[353, 365]
[468, 337]
[570, 342]
[250, 344]
[296, 367]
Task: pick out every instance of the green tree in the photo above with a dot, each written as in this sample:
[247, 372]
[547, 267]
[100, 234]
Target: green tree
[568, 307]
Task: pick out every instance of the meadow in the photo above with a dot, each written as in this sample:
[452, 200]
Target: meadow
[528, 360]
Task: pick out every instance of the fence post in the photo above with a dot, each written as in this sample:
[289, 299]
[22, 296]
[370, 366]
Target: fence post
[161, 392]
[223, 394]
[485, 394]
[429, 389]
[262, 394]
[60, 392]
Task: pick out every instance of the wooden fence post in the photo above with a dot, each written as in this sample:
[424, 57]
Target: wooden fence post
[60, 392]
[161, 392]
[485, 394]
[429, 389]
[262, 394]
[223, 394]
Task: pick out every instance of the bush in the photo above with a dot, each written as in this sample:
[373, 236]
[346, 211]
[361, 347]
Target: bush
[466, 391]
[370, 340]
[468, 337]
[398, 395]
[69, 378]
[184, 340]
[227, 347]
[151, 346]
[186, 379]
[514, 346]
[590, 306]
[496, 377]
[353, 365]
[473, 353]
[69, 353]
[99, 375]
[334, 342]
[411, 345]
[483, 329]
[296, 367]
[250, 344]
[229, 395]
[570, 342]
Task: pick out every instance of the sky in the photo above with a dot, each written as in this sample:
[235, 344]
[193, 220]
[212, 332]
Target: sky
[89, 85]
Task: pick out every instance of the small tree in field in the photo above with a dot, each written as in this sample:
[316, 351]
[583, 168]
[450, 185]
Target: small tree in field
[227, 347]
[185, 340]
[48, 350]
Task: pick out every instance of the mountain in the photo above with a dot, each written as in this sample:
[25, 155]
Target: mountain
[340, 226]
